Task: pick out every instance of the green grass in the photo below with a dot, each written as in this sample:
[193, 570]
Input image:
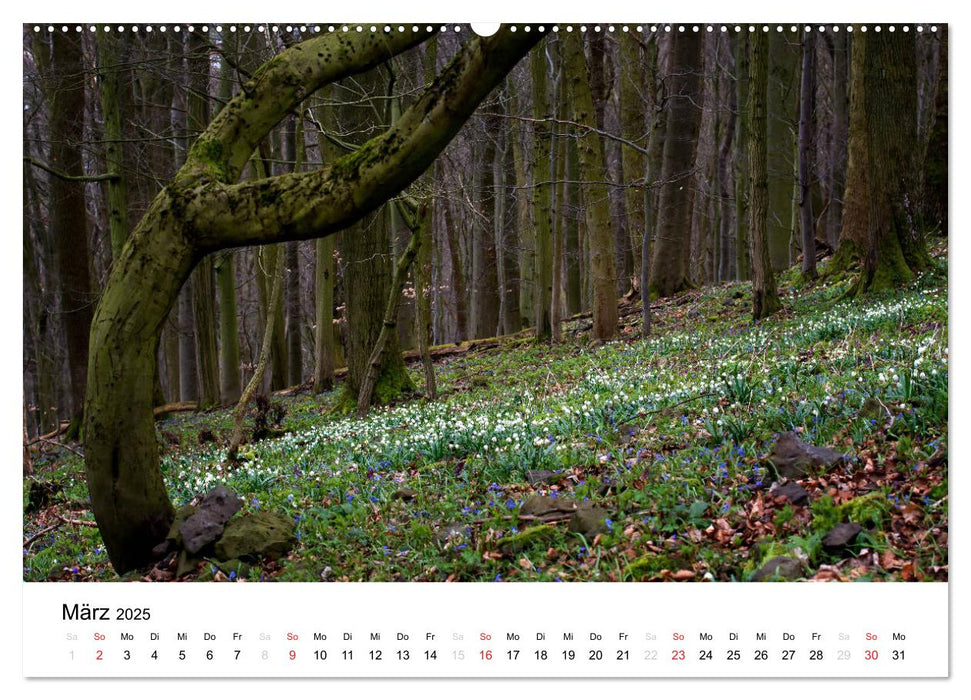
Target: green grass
[668, 434]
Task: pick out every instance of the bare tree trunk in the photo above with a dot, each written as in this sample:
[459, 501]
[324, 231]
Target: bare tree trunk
[743, 262]
[781, 116]
[596, 203]
[837, 154]
[378, 360]
[239, 413]
[765, 299]
[544, 258]
[64, 88]
[669, 271]
[807, 117]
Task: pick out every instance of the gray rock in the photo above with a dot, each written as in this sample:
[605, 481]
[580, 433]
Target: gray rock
[539, 506]
[792, 492]
[542, 477]
[841, 535]
[794, 459]
[780, 568]
[207, 522]
[264, 534]
[589, 521]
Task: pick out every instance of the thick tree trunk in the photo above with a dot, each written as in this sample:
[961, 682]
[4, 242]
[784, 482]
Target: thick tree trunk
[895, 247]
[669, 270]
[201, 212]
[596, 204]
[807, 130]
[765, 299]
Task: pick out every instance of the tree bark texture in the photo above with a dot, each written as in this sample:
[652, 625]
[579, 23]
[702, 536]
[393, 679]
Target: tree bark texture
[596, 203]
[669, 269]
[765, 299]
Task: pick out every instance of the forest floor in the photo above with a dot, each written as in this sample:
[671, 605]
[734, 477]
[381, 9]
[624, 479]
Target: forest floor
[661, 445]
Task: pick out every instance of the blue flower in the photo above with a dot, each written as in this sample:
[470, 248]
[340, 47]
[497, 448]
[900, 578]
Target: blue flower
[510, 504]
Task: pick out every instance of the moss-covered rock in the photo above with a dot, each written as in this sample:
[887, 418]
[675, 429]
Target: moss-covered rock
[872, 509]
[175, 534]
[589, 520]
[247, 537]
[521, 541]
[780, 569]
[649, 566]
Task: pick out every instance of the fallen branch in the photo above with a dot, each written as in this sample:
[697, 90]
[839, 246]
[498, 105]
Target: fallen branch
[180, 407]
[29, 541]
[70, 521]
[58, 444]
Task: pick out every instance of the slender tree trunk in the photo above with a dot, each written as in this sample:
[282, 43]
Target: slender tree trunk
[633, 124]
[781, 118]
[324, 273]
[543, 260]
[229, 384]
[239, 413]
[765, 299]
[840, 130]
[596, 203]
[111, 57]
[855, 221]
[377, 359]
[669, 271]
[743, 263]
[203, 290]
[64, 88]
[654, 166]
[459, 288]
[423, 290]
[484, 281]
[934, 186]
[726, 257]
[807, 130]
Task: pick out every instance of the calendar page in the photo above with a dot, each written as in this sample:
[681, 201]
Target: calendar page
[602, 351]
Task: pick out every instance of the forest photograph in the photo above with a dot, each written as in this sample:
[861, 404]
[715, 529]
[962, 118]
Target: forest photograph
[603, 302]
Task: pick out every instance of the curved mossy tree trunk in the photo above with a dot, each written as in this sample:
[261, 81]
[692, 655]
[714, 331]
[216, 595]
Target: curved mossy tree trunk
[201, 211]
